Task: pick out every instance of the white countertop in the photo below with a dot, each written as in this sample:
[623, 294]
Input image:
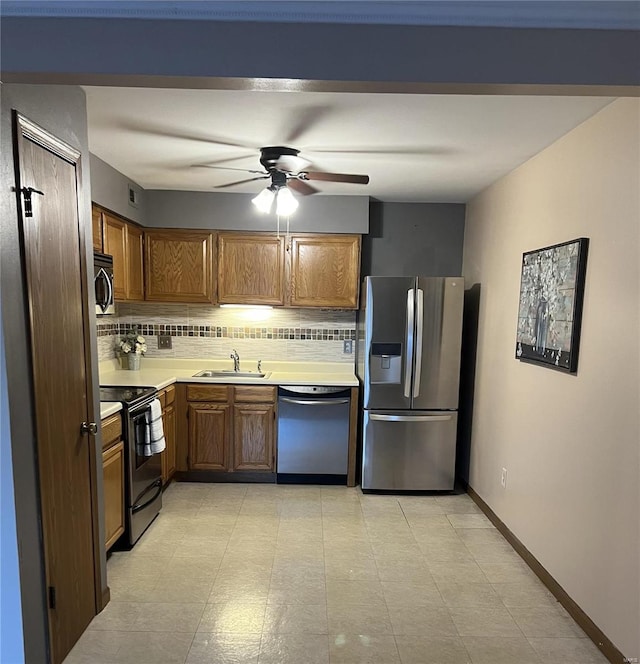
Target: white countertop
[160, 373]
[109, 408]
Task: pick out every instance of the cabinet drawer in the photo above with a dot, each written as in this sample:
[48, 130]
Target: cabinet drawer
[162, 398]
[111, 430]
[208, 393]
[251, 394]
[170, 394]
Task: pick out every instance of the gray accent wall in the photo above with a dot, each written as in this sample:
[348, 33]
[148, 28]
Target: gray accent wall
[110, 188]
[414, 239]
[60, 110]
[228, 211]
[390, 53]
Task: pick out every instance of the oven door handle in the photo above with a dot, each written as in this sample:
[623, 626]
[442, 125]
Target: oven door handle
[314, 402]
[141, 506]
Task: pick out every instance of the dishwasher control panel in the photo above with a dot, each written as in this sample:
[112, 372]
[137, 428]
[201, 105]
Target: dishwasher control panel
[312, 389]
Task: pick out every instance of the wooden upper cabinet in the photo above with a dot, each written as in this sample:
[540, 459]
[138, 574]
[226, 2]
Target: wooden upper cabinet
[123, 241]
[114, 233]
[179, 266]
[250, 269]
[325, 271]
[96, 225]
[135, 271]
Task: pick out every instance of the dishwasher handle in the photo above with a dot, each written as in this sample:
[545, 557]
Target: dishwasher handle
[313, 402]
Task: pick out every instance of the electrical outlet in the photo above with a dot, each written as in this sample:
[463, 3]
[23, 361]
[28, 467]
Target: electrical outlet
[503, 478]
[347, 346]
[164, 341]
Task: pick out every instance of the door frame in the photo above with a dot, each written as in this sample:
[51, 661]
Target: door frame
[26, 129]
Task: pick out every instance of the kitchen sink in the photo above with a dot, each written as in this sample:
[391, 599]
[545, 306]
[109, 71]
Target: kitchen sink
[220, 373]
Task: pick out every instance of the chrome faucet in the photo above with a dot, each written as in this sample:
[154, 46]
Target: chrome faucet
[236, 360]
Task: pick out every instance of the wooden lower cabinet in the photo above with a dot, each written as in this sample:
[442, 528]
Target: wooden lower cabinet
[253, 434]
[113, 492]
[235, 436]
[209, 436]
[168, 457]
[113, 478]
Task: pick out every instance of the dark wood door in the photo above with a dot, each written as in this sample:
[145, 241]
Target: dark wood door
[58, 315]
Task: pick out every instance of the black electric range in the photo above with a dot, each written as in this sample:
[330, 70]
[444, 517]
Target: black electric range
[129, 397]
[143, 472]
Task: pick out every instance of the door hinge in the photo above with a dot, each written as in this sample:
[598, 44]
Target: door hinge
[26, 194]
[52, 597]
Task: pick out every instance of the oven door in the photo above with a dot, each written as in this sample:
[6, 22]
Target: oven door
[144, 490]
[144, 470]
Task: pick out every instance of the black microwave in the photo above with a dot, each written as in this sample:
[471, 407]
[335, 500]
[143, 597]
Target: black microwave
[103, 283]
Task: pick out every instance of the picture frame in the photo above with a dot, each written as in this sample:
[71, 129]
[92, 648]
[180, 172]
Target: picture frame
[552, 281]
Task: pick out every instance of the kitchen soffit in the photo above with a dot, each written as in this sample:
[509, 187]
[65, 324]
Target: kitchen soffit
[414, 147]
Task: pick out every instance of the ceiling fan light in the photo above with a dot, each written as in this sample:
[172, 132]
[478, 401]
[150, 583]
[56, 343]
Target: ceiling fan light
[286, 203]
[264, 200]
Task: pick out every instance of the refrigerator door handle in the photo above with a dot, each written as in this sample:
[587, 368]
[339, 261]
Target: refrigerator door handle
[418, 343]
[408, 365]
[410, 418]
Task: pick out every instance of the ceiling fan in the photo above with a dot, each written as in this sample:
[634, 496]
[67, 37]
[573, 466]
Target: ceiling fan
[285, 168]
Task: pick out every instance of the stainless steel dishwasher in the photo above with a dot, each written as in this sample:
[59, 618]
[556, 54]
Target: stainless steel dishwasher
[313, 434]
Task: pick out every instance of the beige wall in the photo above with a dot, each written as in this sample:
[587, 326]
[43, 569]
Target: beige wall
[570, 443]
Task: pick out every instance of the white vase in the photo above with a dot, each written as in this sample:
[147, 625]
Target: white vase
[134, 361]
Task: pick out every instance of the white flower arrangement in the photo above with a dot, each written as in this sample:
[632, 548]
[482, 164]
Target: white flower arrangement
[132, 342]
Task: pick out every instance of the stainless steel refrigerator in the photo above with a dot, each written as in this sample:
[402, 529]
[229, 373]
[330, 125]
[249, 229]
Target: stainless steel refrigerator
[408, 358]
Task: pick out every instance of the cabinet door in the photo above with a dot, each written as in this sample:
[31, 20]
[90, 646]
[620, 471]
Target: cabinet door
[209, 427]
[135, 273]
[179, 266]
[250, 269]
[114, 233]
[168, 457]
[253, 434]
[113, 491]
[325, 271]
[96, 224]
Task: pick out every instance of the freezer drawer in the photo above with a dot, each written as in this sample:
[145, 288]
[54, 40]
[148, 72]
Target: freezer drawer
[409, 450]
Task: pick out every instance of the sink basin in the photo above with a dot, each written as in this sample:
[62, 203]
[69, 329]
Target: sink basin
[228, 373]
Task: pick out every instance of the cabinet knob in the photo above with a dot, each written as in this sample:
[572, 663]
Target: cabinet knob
[88, 428]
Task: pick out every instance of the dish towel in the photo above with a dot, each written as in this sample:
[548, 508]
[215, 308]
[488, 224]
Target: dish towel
[154, 442]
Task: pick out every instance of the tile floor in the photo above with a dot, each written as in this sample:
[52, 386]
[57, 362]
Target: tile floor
[266, 574]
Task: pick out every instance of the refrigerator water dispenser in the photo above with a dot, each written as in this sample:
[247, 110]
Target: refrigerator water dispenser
[385, 363]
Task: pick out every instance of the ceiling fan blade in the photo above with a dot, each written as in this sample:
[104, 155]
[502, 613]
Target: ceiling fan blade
[304, 120]
[291, 163]
[335, 177]
[301, 187]
[166, 132]
[233, 184]
[229, 168]
[429, 150]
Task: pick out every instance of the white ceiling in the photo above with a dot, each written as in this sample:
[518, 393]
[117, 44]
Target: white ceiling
[415, 148]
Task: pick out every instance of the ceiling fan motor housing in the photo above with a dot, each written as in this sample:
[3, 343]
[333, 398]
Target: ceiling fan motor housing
[270, 155]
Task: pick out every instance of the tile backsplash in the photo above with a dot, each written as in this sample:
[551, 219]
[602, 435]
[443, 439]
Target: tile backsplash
[212, 332]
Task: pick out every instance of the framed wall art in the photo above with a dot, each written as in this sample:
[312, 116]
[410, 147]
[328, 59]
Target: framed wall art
[551, 294]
